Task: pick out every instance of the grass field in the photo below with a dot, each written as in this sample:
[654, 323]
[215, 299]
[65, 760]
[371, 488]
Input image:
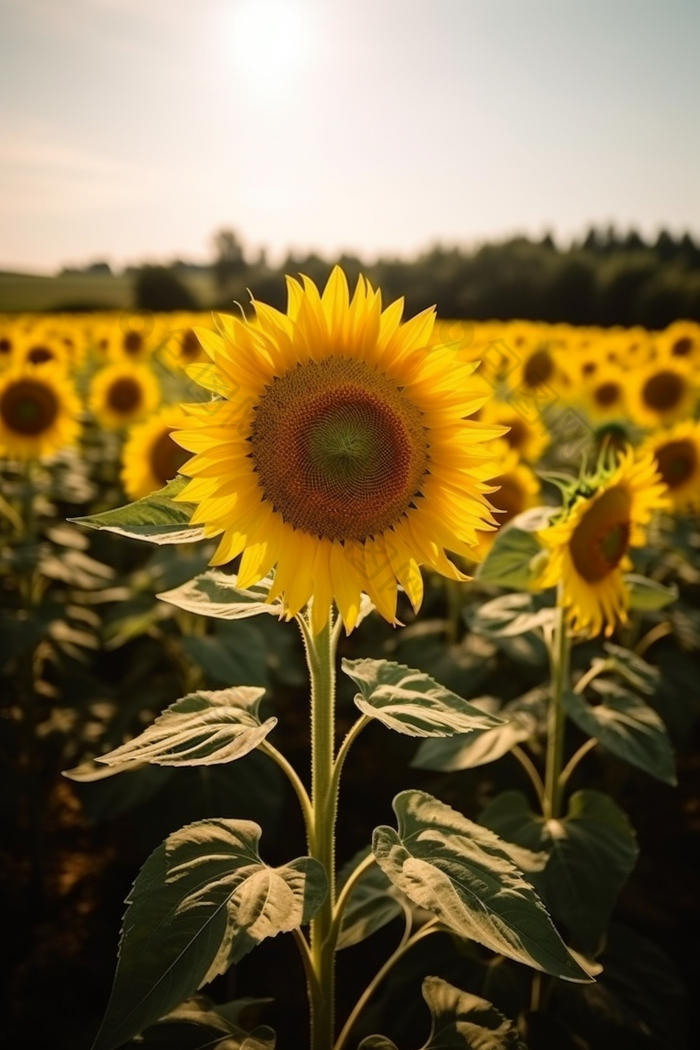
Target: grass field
[21, 292]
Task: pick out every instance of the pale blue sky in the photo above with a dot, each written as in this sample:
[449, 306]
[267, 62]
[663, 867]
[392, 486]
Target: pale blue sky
[132, 129]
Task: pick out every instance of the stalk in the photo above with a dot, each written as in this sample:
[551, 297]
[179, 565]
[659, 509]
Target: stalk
[559, 653]
[320, 654]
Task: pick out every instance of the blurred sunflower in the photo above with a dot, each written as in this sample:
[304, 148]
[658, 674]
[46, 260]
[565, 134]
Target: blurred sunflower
[341, 451]
[681, 340]
[150, 457]
[122, 394]
[604, 393]
[39, 412]
[527, 439]
[43, 348]
[518, 489]
[588, 545]
[676, 453]
[662, 392]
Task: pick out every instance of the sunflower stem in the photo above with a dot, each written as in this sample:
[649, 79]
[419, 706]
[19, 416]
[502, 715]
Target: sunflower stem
[320, 653]
[559, 651]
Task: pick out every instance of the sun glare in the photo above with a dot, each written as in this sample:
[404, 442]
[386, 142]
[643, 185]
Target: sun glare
[271, 41]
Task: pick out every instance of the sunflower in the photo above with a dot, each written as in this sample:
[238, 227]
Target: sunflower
[676, 453]
[150, 457]
[528, 439]
[340, 451]
[663, 392]
[39, 412]
[589, 543]
[122, 394]
[681, 341]
[604, 393]
[517, 490]
[43, 348]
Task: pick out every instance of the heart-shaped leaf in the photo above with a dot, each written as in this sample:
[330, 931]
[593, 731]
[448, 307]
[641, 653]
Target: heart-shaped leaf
[216, 593]
[648, 595]
[590, 853]
[374, 901]
[460, 1021]
[156, 518]
[515, 552]
[625, 725]
[510, 615]
[201, 729]
[462, 873]
[485, 745]
[201, 901]
[198, 1023]
[412, 702]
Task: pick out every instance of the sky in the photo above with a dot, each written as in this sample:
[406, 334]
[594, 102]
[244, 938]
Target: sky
[131, 130]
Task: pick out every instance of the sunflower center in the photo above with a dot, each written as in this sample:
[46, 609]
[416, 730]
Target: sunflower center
[517, 435]
[189, 346]
[28, 407]
[677, 461]
[339, 450]
[663, 391]
[5, 346]
[510, 499]
[166, 457]
[607, 394]
[601, 539]
[39, 355]
[538, 369]
[682, 346]
[133, 341]
[124, 395]
[588, 368]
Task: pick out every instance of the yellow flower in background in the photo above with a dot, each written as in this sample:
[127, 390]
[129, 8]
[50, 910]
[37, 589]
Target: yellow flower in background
[589, 544]
[150, 457]
[527, 439]
[42, 347]
[518, 489]
[39, 412]
[340, 450]
[604, 393]
[122, 394]
[681, 341]
[676, 453]
[662, 392]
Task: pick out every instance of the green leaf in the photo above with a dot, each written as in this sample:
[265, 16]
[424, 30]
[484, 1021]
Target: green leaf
[223, 663]
[374, 902]
[199, 1024]
[462, 873]
[459, 1020]
[201, 729]
[628, 665]
[647, 595]
[524, 716]
[216, 593]
[510, 615]
[156, 518]
[590, 853]
[625, 725]
[412, 702]
[202, 900]
[515, 554]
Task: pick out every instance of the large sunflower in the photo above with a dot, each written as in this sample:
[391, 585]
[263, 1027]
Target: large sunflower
[340, 450]
[39, 412]
[589, 543]
[150, 457]
[122, 394]
[677, 456]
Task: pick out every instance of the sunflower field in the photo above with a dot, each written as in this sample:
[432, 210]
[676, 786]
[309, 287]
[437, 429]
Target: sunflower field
[456, 563]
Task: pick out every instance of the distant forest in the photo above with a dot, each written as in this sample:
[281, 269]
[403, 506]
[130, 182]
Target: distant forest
[605, 279]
